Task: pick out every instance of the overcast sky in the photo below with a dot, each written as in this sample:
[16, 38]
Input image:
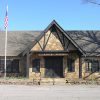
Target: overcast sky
[37, 14]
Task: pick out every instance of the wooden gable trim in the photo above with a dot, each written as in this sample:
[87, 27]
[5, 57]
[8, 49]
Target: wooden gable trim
[36, 40]
[43, 33]
[69, 38]
[47, 41]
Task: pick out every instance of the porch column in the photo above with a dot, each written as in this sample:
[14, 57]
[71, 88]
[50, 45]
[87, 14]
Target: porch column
[80, 67]
[27, 65]
[64, 66]
[42, 67]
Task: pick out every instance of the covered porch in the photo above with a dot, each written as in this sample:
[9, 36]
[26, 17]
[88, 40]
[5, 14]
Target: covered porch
[53, 64]
[54, 54]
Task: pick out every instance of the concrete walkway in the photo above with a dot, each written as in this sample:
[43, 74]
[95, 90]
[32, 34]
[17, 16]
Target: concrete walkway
[53, 92]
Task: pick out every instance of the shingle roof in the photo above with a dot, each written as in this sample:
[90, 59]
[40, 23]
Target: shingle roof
[18, 41]
[89, 41]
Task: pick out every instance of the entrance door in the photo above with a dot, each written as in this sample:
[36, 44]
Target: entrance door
[54, 67]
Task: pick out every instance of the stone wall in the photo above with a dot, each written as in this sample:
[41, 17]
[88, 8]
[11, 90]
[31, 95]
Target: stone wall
[32, 74]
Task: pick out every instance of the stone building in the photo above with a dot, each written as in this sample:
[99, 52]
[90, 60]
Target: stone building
[52, 53]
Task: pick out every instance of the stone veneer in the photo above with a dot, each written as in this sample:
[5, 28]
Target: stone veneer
[75, 74]
[66, 74]
[54, 44]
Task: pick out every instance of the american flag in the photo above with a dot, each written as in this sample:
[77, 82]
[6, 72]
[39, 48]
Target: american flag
[6, 18]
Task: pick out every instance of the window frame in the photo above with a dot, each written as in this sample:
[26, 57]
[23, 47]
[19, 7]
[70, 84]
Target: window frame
[9, 63]
[70, 65]
[90, 67]
[35, 63]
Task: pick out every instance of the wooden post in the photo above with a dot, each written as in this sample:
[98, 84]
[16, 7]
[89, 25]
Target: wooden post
[28, 65]
[80, 67]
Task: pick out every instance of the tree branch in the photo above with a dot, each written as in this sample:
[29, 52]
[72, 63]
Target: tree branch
[93, 2]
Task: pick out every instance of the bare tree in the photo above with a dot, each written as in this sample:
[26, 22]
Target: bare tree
[96, 2]
[88, 41]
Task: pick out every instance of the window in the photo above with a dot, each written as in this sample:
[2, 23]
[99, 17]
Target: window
[71, 65]
[1, 65]
[12, 66]
[92, 66]
[9, 66]
[95, 66]
[15, 66]
[88, 66]
[36, 65]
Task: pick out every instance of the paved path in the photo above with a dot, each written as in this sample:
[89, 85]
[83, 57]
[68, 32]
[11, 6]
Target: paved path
[69, 92]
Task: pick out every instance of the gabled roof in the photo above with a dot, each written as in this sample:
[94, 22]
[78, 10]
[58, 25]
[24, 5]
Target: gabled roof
[18, 41]
[64, 32]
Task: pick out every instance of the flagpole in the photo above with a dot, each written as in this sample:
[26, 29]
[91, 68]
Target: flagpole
[5, 51]
[6, 25]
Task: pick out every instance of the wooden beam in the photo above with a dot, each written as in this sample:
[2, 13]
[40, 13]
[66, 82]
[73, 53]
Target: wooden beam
[59, 36]
[40, 45]
[44, 41]
[68, 45]
[64, 41]
[27, 64]
[47, 41]
[80, 67]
